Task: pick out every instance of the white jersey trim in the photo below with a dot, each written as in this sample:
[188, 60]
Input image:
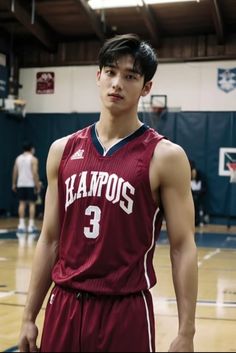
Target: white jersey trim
[152, 244]
[106, 151]
[148, 323]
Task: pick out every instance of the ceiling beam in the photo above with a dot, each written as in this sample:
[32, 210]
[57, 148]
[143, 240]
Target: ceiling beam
[96, 24]
[37, 29]
[151, 23]
[218, 21]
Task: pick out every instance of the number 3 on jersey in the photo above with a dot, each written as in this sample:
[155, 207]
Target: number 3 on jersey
[94, 212]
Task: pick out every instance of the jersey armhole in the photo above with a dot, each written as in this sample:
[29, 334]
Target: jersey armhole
[68, 146]
[161, 138]
[147, 161]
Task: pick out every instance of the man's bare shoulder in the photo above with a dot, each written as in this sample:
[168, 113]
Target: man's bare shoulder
[56, 151]
[167, 151]
[170, 160]
[58, 146]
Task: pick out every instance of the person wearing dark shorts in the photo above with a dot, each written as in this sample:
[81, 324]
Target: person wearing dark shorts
[109, 187]
[26, 194]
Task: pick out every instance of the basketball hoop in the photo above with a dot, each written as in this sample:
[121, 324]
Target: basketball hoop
[232, 169]
[157, 110]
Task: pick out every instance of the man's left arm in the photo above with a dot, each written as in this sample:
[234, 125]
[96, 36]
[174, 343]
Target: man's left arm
[178, 207]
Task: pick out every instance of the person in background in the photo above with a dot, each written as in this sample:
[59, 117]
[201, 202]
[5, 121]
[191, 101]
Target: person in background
[41, 200]
[26, 183]
[198, 188]
[109, 187]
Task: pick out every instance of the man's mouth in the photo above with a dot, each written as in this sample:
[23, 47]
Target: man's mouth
[115, 96]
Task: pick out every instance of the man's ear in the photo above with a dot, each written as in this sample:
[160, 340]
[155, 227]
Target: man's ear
[98, 77]
[146, 89]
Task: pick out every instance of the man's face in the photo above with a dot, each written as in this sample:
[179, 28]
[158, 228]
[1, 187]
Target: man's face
[121, 86]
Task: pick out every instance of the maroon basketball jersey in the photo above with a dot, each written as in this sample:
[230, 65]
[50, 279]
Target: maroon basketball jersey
[109, 220]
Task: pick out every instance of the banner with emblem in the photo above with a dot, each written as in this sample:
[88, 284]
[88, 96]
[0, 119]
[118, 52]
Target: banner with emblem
[45, 82]
[226, 79]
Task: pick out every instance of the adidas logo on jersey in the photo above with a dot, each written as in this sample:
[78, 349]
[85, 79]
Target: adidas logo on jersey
[78, 155]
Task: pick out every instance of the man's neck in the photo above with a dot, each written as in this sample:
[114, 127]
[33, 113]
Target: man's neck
[117, 126]
[111, 130]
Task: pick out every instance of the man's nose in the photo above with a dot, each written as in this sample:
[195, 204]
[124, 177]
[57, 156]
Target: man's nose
[117, 82]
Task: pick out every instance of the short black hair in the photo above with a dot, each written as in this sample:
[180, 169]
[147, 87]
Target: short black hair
[27, 146]
[145, 57]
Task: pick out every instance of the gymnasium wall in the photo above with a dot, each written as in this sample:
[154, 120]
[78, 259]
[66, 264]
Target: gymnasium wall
[189, 86]
[206, 121]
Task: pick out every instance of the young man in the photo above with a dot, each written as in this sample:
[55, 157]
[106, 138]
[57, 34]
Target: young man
[109, 186]
[25, 181]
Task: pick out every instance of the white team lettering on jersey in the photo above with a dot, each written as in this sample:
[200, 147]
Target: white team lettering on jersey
[116, 189]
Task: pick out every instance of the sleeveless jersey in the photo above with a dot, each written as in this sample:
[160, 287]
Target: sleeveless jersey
[109, 220]
[25, 176]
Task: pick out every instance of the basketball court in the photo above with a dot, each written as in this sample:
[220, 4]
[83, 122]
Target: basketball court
[216, 306]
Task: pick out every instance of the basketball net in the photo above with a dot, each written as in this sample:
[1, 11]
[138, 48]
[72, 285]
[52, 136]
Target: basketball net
[157, 110]
[232, 169]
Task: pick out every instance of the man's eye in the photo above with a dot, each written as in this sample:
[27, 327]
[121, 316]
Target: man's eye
[109, 72]
[130, 77]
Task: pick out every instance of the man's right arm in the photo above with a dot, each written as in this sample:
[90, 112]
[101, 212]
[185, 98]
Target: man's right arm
[35, 173]
[46, 253]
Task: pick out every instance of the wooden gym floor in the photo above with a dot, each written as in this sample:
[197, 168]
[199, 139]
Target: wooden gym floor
[216, 307]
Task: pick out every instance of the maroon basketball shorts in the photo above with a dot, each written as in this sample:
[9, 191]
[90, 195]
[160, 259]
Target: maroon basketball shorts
[83, 322]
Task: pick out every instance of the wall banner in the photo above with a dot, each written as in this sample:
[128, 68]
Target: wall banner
[45, 82]
[226, 79]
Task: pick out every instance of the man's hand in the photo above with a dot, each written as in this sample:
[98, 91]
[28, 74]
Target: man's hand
[182, 344]
[28, 337]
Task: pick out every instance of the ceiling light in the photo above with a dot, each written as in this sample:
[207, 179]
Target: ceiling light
[166, 1]
[106, 4]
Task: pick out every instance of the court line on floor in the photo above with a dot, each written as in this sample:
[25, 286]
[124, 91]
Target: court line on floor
[197, 317]
[11, 304]
[6, 294]
[200, 302]
[17, 305]
[12, 349]
[209, 255]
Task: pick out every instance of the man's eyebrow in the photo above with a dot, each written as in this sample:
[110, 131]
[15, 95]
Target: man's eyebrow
[114, 66]
[111, 65]
[133, 71]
